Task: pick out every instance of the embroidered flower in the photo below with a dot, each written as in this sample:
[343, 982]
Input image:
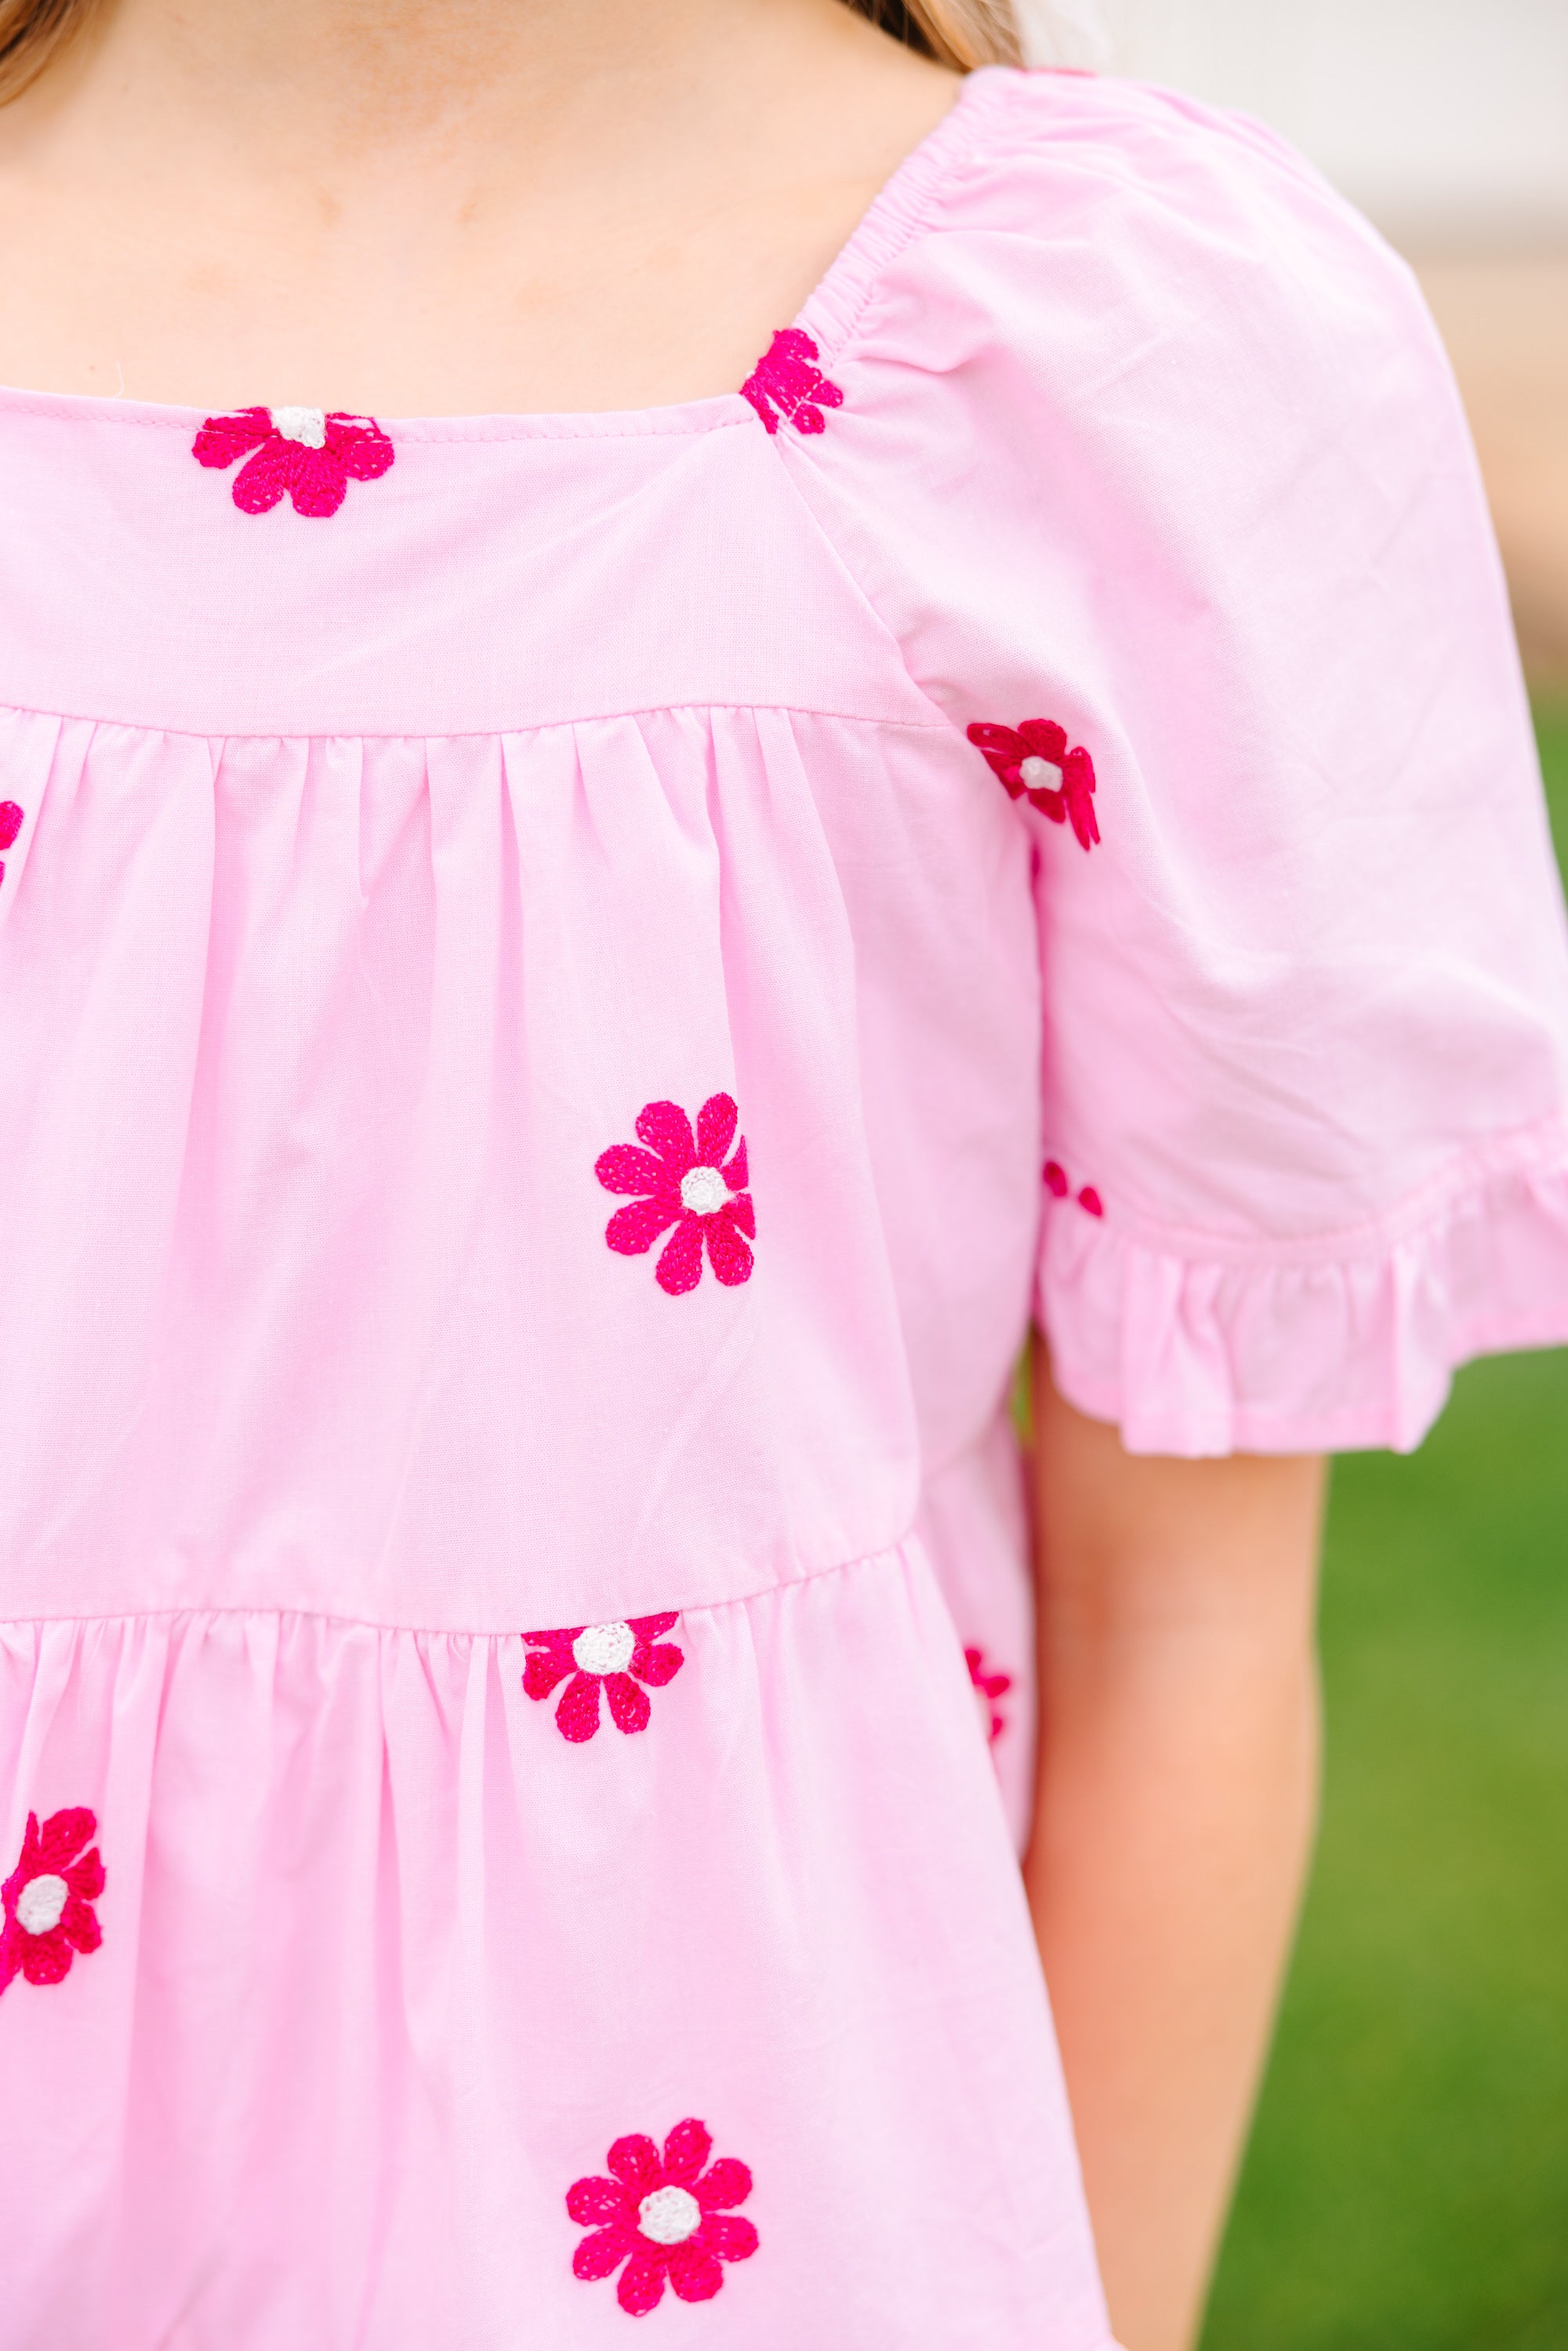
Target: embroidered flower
[11, 818]
[1034, 760]
[607, 1657]
[309, 453]
[666, 2212]
[991, 1687]
[683, 1182]
[786, 382]
[46, 1901]
[1056, 1184]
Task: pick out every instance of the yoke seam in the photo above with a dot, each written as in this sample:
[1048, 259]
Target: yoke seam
[283, 1613]
[211, 736]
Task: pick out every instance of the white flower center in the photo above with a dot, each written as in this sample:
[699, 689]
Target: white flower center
[306, 424]
[604, 1648]
[670, 2216]
[40, 1903]
[703, 1190]
[1040, 774]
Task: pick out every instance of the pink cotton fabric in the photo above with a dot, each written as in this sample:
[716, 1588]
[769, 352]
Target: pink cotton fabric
[377, 872]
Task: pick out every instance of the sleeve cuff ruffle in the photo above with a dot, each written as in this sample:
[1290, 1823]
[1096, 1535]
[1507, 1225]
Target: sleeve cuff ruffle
[1313, 1348]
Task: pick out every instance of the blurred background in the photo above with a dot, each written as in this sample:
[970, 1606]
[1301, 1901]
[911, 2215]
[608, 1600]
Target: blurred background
[1406, 2188]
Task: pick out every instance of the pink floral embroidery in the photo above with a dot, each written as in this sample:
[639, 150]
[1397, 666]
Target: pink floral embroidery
[46, 1901]
[786, 382]
[991, 1687]
[685, 1183]
[1034, 761]
[1056, 1184]
[607, 1657]
[668, 2214]
[11, 819]
[310, 454]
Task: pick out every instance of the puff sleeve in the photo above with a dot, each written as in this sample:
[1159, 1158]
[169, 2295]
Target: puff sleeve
[1146, 435]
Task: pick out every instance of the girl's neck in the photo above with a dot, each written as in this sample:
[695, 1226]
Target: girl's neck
[320, 84]
[439, 203]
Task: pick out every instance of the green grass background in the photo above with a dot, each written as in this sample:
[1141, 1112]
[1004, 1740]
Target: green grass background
[1407, 2188]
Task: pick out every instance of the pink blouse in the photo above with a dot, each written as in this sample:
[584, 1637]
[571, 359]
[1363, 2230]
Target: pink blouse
[570, 985]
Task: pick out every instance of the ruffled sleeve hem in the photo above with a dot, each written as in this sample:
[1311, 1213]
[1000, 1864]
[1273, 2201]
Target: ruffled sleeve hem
[1347, 1343]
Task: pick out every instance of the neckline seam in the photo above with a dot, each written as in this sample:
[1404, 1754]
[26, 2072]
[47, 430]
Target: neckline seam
[902, 209]
[670, 419]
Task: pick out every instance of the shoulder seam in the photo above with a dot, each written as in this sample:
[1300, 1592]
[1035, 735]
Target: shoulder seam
[915, 216]
[836, 327]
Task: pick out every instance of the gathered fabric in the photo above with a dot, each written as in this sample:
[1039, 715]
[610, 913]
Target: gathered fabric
[388, 1965]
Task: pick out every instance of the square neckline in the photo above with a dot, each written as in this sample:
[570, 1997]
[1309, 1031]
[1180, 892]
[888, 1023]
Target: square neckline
[829, 313]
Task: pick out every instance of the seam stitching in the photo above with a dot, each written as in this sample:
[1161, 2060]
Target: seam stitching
[1528, 1153]
[486, 734]
[885, 1553]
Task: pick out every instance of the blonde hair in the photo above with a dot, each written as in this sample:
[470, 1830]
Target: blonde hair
[962, 33]
[31, 31]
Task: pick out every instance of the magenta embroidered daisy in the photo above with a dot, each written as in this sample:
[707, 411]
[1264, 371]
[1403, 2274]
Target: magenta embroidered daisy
[989, 1686]
[46, 1903]
[788, 382]
[12, 817]
[310, 454]
[1035, 761]
[666, 2216]
[614, 1658]
[1055, 1178]
[687, 1181]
